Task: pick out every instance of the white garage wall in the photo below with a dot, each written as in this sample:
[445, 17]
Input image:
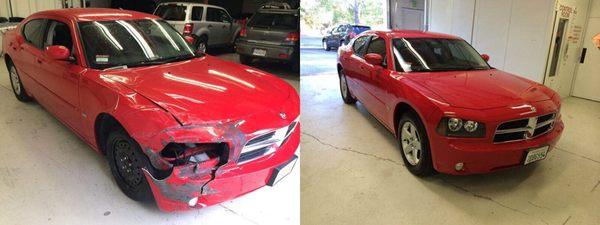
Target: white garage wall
[516, 34]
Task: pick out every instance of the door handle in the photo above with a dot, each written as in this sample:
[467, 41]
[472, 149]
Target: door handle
[39, 60]
[224, 26]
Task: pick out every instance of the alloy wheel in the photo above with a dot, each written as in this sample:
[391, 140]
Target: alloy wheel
[202, 47]
[344, 86]
[15, 81]
[411, 143]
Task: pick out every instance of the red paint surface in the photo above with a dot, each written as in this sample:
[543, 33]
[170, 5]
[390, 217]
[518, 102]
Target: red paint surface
[203, 100]
[483, 95]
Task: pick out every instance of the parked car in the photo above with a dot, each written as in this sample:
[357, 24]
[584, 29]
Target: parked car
[449, 110]
[341, 35]
[184, 128]
[271, 34]
[209, 25]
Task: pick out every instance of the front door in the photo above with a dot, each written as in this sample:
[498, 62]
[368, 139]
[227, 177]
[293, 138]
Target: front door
[587, 79]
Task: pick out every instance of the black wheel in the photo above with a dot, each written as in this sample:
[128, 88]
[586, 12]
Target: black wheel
[201, 44]
[17, 85]
[414, 145]
[345, 90]
[246, 60]
[325, 46]
[126, 161]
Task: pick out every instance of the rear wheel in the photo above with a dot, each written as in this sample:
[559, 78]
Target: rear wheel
[414, 145]
[246, 60]
[126, 161]
[345, 90]
[17, 85]
[201, 45]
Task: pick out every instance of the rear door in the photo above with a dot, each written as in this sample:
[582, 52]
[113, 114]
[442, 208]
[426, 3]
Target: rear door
[174, 13]
[271, 28]
[27, 54]
[219, 24]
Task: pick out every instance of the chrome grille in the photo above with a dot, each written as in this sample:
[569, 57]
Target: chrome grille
[266, 143]
[523, 129]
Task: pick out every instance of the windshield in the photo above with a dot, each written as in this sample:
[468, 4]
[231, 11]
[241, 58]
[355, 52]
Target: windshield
[436, 54]
[274, 20]
[132, 43]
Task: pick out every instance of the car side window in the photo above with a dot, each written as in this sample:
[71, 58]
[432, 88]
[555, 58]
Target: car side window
[33, 31]
[377, 46]
[360, 44]
[59, 34]
[217, 15]
[197, 13]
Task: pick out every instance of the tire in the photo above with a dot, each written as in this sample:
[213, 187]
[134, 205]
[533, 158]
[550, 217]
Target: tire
[325, 46]
[16, 84]
[126, 161]
[202, 44]
[246, 60]
[345, 89]
[413, 137]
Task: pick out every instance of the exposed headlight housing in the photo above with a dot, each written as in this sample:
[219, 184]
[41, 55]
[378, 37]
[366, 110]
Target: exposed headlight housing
[458, 127]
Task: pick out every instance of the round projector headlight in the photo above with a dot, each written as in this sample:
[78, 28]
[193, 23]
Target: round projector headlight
[454, 124]
[470, 126]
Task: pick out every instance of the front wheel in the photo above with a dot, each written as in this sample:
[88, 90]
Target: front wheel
[17, 85]
[126, 161]
[345, 90]
[414, 145]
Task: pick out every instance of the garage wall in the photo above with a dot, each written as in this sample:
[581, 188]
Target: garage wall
[407, 14]
[24, 8]
[516, 34]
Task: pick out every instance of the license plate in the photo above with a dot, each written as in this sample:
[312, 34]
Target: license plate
[259, 52]
[282, 171]
[536, 154]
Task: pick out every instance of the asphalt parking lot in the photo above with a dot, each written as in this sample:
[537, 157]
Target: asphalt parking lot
[49, 176]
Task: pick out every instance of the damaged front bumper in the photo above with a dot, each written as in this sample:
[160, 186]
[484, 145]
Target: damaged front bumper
[211, 182]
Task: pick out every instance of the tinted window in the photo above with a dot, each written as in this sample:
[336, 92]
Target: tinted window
[360, 29]
[171, 12]
[360, 44]
[377, 46]
[34, 32]
[132, 43]
[59, 34]
[274, 20]
[197, 13]
[217, 15]
[436, 54]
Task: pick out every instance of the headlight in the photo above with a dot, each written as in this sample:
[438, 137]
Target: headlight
[457, 127]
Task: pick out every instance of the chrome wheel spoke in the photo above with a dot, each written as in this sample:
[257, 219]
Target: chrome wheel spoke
[411, 143]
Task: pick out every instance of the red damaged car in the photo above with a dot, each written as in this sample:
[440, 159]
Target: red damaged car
[449, 110]
[184, 128]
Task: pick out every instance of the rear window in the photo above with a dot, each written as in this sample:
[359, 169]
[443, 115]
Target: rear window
[274, 20]
[171, 12]
[360, 29]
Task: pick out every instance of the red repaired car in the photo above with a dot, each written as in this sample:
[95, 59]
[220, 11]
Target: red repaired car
[449, 110]
[184, 128]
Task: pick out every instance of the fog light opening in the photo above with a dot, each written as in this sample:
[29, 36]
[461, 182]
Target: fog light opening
[193, 202]
[459, 166]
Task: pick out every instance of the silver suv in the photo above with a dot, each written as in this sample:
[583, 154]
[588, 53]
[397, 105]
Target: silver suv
[209, 25]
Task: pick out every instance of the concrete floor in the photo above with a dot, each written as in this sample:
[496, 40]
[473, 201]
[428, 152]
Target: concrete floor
[49, 176]
[353, 171]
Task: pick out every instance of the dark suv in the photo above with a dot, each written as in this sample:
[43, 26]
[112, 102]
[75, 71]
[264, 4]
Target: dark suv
[271, 34]
[341, 35]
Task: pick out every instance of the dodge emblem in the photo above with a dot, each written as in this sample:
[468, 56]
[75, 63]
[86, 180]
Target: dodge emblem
[282, 115]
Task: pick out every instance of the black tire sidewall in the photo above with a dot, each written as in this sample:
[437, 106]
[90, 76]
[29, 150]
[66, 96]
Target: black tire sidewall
[22, 96]
[425, 166]
[140, 193]
[349, 99]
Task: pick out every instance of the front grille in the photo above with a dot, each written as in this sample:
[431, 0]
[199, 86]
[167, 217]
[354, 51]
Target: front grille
[523, 129]
[266, 143]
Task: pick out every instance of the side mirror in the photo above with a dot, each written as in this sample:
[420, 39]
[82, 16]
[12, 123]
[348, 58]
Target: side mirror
[485, 57]
[189, 40]
[374, 59]
[58, 52]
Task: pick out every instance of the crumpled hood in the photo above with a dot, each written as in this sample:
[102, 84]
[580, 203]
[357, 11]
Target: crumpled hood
[482, 89]
[206, 89]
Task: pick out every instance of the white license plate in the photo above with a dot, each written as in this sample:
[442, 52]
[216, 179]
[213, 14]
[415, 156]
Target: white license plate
[259, 52]
[536, 154]
[283, 172]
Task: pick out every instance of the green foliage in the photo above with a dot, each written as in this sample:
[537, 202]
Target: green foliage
[321, 14]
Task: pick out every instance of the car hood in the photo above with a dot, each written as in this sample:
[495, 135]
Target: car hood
[206, 89]
[482, 89]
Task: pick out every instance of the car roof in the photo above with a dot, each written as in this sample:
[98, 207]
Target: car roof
[96, 14]
[191, 3]
[411, 34]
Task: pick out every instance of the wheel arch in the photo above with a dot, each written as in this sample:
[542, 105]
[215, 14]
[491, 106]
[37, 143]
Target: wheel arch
[104, 124]
[400, 109]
